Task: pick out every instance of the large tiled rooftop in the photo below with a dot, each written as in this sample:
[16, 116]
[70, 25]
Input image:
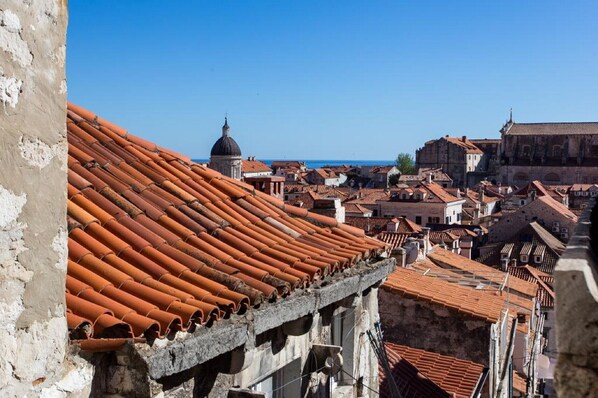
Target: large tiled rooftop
[159, 244]
[433, 287]
[420, 373]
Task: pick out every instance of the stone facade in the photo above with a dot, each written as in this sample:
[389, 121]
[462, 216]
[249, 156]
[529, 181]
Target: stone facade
[34, 358]
[228, 165]
[457, 157]
[544, 210]
[552, 153]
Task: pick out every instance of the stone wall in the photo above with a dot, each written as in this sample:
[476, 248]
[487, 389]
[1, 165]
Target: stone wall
[512, 223]
[434, 328]
[123, 374]
[576, 310]
[33, 231]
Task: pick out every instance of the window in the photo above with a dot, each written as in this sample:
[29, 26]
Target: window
[418, 220]
[557, 151]
[525, 150]
[524, 258]
[284, 383]
[342, 333]
[448, 219]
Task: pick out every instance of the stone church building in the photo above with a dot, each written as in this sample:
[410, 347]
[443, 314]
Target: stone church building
[553, 153]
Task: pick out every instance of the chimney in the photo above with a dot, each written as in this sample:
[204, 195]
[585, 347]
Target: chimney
[504, 264]
[426, 233]
[429, 177]
[464, 138]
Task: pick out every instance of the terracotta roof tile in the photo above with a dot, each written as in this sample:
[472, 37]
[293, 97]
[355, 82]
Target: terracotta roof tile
[395, 239]
[450, 260]
[466, 144]
[420, 373]
[255, 166]
[159, 244]
[433, 287]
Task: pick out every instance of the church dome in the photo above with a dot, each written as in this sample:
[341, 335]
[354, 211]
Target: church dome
[225, 145]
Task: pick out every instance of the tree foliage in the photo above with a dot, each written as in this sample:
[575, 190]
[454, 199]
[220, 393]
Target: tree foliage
[405, 163]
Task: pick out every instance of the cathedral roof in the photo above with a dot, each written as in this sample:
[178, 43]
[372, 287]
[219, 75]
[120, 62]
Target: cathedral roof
[225, 145]
[553, 128]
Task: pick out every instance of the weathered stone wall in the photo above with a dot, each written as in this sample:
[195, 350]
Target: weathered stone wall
[538, 211]
[122, 374]
[551, 159]
[33, 234]
[576, 308]
[434, 328]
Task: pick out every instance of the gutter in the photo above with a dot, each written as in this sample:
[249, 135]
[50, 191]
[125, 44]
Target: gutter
[508, 359]
[477, 392]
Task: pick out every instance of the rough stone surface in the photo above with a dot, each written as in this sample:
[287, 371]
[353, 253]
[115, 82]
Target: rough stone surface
[33, 331]
[188, 350]
[576, 308]
[433, 328]
[243, 350]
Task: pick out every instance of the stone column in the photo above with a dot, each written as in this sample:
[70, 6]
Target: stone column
[33, 171]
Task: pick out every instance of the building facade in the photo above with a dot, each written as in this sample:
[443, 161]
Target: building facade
[455, 156]
[552, 153]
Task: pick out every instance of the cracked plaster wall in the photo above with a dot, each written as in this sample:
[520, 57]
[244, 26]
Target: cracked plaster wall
[33, 238]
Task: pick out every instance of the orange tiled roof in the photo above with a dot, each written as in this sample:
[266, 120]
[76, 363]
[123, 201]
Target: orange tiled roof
[255, 166]
[442, 236]
[420, 373]
[465, 144]
[558, 207]
[158, 243]
[324, 173]
[356, 208]
[440, 192]
[448, 259]
[395, 239]
[545, 295]
[368, 196]
[484, 305]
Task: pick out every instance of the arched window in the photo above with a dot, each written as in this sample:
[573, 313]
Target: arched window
[520, 178]
[552, 178]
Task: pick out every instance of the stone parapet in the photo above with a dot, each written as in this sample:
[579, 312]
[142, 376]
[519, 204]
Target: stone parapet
[577, 313]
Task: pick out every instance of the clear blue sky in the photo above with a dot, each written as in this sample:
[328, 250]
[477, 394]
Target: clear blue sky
[330, 79]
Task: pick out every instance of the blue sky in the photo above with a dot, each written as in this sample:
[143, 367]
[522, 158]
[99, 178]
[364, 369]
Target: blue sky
[330, 79]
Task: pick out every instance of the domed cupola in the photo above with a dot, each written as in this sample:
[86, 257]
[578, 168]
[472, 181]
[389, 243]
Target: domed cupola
[225, 145]
[225, 156]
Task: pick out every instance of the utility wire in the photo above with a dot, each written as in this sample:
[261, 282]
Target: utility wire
[294, 380]
[366, 386]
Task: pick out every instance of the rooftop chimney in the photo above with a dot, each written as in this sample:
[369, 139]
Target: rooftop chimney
[464, 138]
[429, 177]
[504, 264]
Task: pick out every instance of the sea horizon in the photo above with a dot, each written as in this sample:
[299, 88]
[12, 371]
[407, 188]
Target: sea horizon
[319, 163]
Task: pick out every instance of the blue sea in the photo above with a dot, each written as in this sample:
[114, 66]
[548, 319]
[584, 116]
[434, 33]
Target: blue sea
[317, 164]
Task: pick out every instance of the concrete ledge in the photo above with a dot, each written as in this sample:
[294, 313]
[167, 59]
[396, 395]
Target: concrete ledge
[187, 350]
[166, 358]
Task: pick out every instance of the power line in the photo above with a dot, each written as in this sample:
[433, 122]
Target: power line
[360, 382]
